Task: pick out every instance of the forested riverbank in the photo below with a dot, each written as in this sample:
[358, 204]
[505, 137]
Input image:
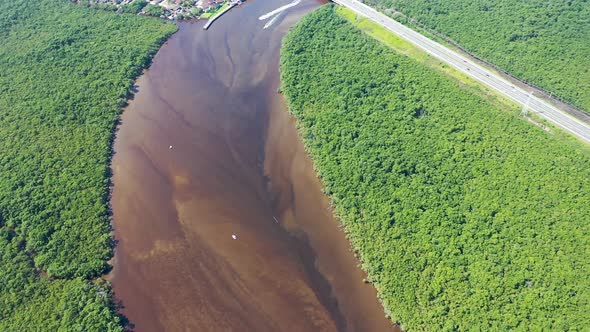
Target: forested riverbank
[465, 215]
[545, 43]
[66, 72]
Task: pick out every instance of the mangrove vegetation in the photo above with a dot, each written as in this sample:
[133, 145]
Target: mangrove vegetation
[465, 215]
[65, 73]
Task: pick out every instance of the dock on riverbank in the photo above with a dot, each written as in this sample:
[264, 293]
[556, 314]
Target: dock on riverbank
[212, 19]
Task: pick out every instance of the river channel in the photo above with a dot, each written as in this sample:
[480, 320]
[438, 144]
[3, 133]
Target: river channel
[206, 151]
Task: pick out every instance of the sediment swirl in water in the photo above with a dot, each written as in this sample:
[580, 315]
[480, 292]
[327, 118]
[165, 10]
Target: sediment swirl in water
[189, 174]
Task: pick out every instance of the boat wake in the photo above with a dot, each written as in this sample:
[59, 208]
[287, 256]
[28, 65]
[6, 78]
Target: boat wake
[279, 10]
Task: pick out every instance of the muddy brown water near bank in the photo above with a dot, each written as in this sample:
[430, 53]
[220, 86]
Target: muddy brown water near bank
[207, 150]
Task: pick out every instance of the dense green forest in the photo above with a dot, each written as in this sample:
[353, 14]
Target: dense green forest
[65, 73]
[466, 216]
[545, 42]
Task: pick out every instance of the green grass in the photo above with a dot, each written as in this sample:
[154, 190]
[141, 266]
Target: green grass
[65, 74]
[465, 216]
[380, 33]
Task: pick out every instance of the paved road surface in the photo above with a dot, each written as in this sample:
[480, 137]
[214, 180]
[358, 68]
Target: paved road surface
[522, 97]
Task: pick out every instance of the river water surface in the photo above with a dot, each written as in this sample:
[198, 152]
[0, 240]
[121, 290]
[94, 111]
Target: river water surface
[207, 150]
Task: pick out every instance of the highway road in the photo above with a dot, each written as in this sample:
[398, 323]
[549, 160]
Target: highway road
[475, 71]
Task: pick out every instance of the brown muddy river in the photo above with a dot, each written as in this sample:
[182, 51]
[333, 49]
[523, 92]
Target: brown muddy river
[207, 150]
